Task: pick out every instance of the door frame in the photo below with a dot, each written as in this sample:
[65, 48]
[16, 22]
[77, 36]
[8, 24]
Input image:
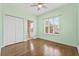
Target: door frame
[28, 28]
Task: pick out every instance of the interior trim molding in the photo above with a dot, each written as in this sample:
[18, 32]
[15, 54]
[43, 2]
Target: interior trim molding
[59, 43]
[13, 16]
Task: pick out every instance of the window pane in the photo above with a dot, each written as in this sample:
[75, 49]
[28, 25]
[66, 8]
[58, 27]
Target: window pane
[51, 28]
[51, 21]
[52, 25]
[56, 29]
[56, 25]
[56, 20]
[46, 29]
[46, 23]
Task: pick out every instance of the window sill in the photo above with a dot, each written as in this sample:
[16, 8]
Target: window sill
[51, 34]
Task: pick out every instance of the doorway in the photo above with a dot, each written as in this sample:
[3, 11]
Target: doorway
[30, 29]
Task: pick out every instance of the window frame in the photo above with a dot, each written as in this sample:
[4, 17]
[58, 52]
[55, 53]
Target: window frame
[47, 19]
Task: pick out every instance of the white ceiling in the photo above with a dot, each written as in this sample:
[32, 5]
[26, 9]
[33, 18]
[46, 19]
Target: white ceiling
[27, 7]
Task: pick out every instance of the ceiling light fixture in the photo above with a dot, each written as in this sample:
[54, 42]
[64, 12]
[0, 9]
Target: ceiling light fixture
[39, 5]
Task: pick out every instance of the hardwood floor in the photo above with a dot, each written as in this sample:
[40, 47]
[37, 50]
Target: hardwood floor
[38, 47]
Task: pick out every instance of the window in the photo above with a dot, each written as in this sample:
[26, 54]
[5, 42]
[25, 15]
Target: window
[52, 25]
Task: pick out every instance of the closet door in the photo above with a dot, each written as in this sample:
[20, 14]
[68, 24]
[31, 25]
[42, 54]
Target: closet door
[19, 30]
[13, 33]
[13, 30]
[9, 31]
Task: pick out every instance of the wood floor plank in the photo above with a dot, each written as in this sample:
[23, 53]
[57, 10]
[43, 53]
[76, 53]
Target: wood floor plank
[39, 47]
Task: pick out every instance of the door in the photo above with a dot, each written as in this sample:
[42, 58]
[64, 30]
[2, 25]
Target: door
[13, 30]
[30, 29]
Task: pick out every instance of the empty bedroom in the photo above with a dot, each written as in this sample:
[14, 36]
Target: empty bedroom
[39, 29]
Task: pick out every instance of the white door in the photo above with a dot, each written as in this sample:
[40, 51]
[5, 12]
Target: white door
[19, 30]
[13, 30]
